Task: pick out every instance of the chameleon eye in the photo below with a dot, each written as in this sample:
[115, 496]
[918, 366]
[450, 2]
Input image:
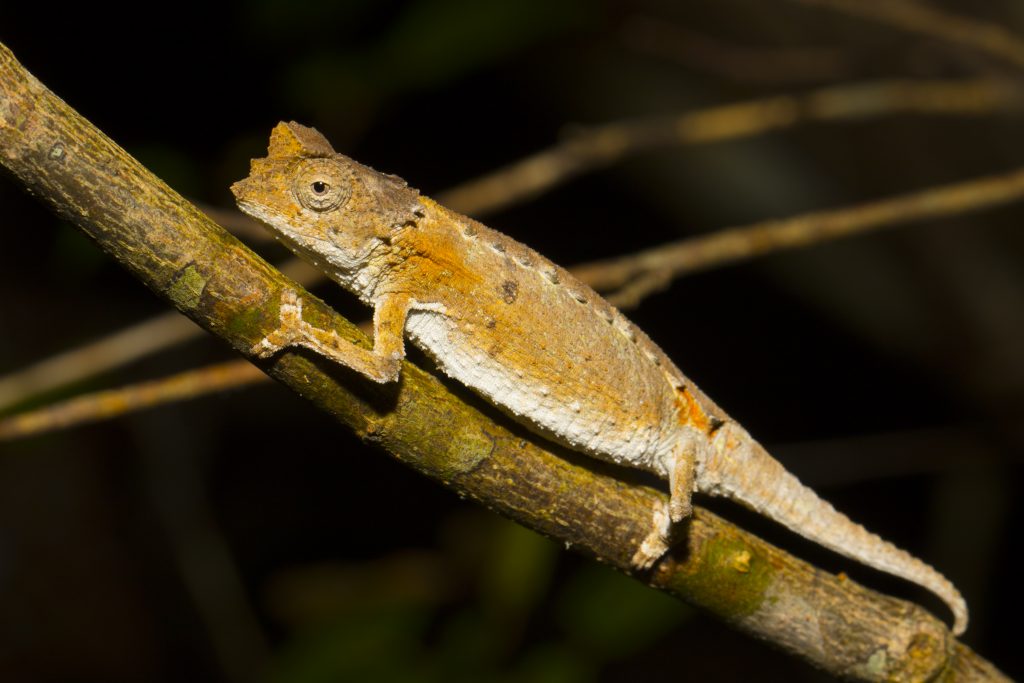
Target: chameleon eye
[320, 185]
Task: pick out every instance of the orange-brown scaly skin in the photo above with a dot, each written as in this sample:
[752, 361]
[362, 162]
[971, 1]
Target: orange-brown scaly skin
[529, 337]
[545, 347]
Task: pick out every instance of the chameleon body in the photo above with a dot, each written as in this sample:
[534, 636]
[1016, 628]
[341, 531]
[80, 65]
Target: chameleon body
[521, 331]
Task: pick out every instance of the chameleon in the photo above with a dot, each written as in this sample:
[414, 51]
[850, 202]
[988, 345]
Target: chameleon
[531, 339]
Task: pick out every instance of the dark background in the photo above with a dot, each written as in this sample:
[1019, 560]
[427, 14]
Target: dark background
[244, 536]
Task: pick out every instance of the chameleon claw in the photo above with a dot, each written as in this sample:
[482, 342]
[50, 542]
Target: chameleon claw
[264, 348]
[290, 310]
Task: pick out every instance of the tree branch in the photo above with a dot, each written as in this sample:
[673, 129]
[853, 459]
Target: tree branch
[598, 146]
[211, 277]
[636, 275]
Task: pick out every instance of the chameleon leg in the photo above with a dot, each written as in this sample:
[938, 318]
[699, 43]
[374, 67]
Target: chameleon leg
[681, 472]
[382, 364]
[680, 479]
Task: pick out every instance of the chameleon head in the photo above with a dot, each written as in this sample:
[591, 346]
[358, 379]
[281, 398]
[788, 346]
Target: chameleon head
[321, 203]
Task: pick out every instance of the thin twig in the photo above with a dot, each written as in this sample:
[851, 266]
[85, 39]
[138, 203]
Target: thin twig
[631, 294]
[174, 249]
[590, 148]
[135, 341]
[129, 399]
[915, 17]
[734, 244]
[117, 349]
[741, 63]
[120, 348]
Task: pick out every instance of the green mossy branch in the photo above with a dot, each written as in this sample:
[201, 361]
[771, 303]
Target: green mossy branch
[211, 277]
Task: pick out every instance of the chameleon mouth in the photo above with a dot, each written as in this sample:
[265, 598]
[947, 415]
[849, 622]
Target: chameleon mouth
[251, 208]
[272, 222]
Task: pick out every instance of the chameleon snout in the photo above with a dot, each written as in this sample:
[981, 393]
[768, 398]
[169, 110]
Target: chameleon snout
[240, 189]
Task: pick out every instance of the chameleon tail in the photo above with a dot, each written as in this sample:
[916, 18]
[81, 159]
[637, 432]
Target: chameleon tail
[739, 468]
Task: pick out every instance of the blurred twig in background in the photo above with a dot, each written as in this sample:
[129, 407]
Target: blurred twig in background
[766, 65]
[586, 149]
[924, 19]
[634, 277]
[117, 349]
[104, 405]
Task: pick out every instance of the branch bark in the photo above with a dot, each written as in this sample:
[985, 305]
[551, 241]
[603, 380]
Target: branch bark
[211, 277]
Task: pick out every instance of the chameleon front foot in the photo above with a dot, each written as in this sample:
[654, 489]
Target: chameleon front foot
[291, 331]
[382, 364]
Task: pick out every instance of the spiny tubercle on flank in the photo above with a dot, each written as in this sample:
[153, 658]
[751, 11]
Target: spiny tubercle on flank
[551, 273]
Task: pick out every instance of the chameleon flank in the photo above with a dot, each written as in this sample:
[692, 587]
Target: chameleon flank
[530, 338]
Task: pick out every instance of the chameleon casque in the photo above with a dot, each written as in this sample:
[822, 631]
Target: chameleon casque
[530, 338]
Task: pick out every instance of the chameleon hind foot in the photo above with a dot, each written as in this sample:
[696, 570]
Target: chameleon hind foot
[656, 544]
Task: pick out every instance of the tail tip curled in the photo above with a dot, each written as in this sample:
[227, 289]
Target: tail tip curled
[960, 616]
